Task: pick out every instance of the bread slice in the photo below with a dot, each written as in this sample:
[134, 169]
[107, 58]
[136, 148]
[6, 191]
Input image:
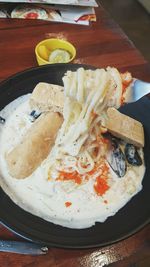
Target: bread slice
[124, 127]
[47, 97]
[35, 145]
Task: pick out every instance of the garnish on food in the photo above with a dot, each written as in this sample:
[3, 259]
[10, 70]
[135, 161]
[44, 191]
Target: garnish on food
[68, 204]
[59, 56]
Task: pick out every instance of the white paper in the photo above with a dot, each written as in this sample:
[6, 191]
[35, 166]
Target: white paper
[60, 2]
[58, 13]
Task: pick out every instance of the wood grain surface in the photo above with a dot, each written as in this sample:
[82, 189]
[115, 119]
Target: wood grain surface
[101, 44]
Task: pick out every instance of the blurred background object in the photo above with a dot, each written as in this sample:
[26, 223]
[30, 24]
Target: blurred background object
[134, 18]
[146, 4]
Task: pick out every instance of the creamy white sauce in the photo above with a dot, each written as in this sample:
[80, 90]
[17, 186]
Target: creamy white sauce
[46, 199]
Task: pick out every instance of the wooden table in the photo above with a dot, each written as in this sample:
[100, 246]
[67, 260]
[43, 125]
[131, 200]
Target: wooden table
[101, 44]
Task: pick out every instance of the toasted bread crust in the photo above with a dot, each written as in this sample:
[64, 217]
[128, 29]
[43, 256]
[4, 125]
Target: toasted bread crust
[47, 97]
[35, 146]
[124, 127]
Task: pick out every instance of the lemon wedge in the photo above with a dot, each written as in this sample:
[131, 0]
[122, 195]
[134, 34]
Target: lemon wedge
[59, 56]
[44, 52]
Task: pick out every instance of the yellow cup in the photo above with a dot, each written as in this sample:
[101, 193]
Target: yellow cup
[45, 47]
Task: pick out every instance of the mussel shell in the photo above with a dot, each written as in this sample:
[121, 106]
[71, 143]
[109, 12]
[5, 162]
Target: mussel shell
[117, 160]
[132, 155]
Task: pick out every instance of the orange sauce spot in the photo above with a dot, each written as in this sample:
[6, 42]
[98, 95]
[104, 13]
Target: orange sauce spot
[101, 185]
[126, 80]
[65, 176]
[68, 204]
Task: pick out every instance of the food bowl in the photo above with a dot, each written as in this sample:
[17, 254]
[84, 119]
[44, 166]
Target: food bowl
[53, 50]
[38, 230]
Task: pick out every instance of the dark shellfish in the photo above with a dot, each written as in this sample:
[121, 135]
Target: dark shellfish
[132, 155]
[116, 159]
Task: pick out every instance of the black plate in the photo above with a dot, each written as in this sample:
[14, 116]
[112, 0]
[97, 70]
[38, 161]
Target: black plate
[127, 221]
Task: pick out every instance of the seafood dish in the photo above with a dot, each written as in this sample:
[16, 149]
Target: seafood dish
[68, 155]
